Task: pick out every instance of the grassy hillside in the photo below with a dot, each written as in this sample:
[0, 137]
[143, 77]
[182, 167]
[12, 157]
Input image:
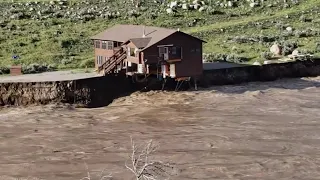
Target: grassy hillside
[57, 32]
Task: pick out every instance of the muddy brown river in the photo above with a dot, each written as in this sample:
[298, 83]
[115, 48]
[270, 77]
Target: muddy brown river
[252, 131]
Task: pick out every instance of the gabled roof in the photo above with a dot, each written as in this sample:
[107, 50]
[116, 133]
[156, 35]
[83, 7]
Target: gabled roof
[141, 42]
[134, 33]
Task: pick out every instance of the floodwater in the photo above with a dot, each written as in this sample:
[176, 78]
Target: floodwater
[267, 130]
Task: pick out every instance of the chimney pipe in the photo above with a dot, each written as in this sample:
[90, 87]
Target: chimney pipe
[144, 31]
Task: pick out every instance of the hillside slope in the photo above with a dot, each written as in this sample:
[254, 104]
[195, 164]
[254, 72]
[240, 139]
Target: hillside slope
[57, 32]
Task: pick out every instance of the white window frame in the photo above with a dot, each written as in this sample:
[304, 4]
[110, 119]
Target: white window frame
[104, 42]
[99, 60]
[97, 42]
[110, 45]
[163, 50]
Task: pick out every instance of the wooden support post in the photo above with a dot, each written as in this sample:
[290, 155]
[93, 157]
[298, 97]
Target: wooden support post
[164, 83]
[195, 84]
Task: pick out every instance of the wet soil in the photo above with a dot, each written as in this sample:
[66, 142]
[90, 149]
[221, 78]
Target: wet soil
[250, 131]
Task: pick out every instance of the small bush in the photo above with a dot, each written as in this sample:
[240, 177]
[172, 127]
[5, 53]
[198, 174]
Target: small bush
[302, 18]
[288, 47]
[4, 70]
[37, 68]
[211, 57]
[318, 47]
[236, 58]
[66, 61]
[87, 63]
[266, 55]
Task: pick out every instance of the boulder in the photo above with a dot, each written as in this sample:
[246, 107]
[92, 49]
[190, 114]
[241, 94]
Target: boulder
[257, 63]
[275, 49]
[296, 52]
[169, 11]
[185, 6]
[201, 9]
[289, 29]
[253, 4]
[173, 4]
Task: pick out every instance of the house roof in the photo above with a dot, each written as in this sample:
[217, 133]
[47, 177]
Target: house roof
[134, 33]
[141, 42]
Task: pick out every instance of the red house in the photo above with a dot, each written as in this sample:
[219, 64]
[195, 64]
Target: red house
[136, 49]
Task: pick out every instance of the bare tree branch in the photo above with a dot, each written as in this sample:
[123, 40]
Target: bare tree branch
[143, 167]
[101, 177]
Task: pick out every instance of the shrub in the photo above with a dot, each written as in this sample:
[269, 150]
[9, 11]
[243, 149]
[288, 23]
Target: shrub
[288, 47]
[4, 70]
[87, 63]
[211, 57]
[66, 61]
[266, 55]
[302, 18]
[37, 68]
[236, 58]
[318, 47]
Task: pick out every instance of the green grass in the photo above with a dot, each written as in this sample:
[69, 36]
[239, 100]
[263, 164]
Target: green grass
[43, 41]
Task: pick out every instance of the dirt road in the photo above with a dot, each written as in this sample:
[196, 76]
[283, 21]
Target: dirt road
[252, 131]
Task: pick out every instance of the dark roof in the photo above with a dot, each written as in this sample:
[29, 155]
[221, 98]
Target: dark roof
[141, 42]
[124, 33]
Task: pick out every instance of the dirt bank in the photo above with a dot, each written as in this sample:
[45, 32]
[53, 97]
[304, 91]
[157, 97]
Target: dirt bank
[269, 72]
[97, 91]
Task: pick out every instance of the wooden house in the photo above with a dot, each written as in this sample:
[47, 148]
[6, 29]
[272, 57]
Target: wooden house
[137, 49]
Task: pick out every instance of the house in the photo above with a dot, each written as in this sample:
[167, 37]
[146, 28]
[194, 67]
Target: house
[137, 49]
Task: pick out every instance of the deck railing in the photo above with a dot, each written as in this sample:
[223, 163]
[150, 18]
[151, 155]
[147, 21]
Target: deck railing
[113, 61]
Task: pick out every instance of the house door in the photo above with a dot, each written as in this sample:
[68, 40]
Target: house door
[166, 53]
[172, 70]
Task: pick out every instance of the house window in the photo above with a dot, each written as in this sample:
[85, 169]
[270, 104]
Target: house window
[195, 50]
[163, 50]
[97, 44]
[99, 60]
[110, 45]
[174, 50]
[104, 44]
[132, 52]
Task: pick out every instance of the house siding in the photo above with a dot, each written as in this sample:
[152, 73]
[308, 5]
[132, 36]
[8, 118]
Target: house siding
[191, 63]
[102, 52]
[130, 58]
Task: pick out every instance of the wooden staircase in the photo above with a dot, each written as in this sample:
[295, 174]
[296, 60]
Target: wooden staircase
[110, 66]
